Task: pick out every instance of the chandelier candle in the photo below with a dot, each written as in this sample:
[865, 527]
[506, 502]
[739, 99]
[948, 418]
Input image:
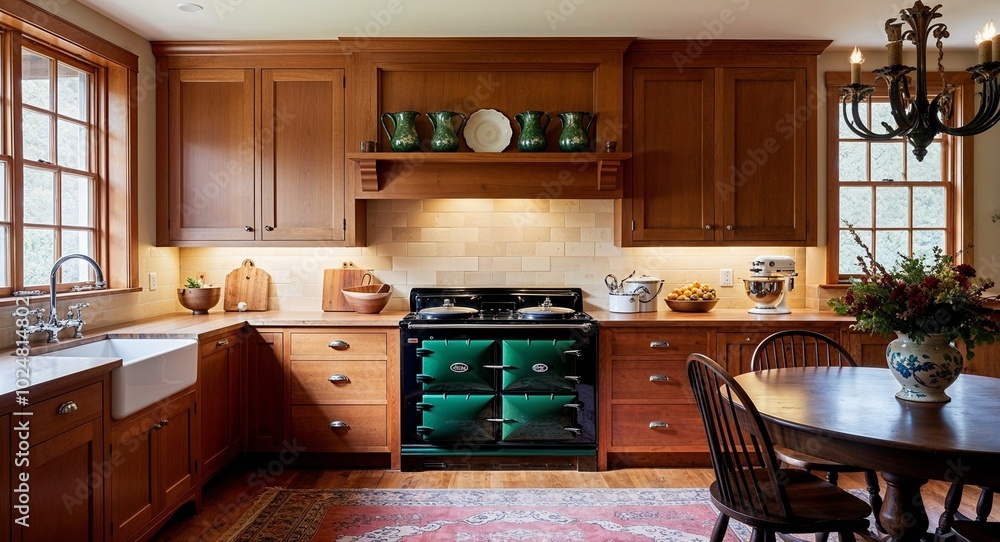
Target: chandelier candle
[857, 59]
[984, 40]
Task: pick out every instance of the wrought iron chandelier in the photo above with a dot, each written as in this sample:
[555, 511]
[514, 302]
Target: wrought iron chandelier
[916, 118]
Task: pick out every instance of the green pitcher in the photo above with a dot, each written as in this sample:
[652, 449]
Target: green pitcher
[403, 137]
[574, 136]
[532, 138]
[445, 136]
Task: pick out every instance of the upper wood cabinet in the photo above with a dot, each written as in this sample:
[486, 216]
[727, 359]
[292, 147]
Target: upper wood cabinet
[724, 144]
[250, 147]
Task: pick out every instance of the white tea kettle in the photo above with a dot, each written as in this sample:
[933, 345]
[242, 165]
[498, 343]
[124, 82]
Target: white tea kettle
[648, 288]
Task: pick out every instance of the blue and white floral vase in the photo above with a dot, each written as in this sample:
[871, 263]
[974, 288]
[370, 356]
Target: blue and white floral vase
[924, 370]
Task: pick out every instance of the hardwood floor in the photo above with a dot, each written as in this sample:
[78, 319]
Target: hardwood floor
[232, 492]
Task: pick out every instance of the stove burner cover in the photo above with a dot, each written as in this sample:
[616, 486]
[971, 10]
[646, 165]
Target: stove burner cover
[447, 310]
[545, 311]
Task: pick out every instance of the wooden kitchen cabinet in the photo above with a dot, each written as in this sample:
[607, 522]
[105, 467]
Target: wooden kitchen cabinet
[5, 460]
[265, 395]
[221, 367]
[251, 148]
[724, 150]
[343, 390]
[65, 466]
[154, 466]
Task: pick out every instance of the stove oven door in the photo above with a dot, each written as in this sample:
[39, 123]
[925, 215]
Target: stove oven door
[546, 417]
[540, 365]
[456, 365]
[456, 417]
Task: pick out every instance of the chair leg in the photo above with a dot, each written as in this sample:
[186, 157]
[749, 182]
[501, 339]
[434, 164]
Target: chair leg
[951, 504]
[846, 536]
[985, 504]
[832, 477]
[719, 531]
[822, 537]
[874, 499]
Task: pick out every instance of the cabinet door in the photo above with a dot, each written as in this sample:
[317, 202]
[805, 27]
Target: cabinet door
[736, 349]
[220, 381]
[302, 155]
[67, 491]
[673, 155]
[265, 393]
[763, 125]
[211, 155]
[133, 488]
[175, 441]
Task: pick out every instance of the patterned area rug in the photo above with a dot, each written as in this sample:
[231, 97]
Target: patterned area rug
[480, 515]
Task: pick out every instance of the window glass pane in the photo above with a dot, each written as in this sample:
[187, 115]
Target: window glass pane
[72, 145]
[37, 131]
[36, 79]
[925, 240]
[4, 217]
[39, 196]
[849, 251]
[889, 245]
[881, 112]
[892, 207]
[887, 161]
[845, 131]
[4, 246]
[76, 270]
[77, 200]
[929, 169]
[928, 207]
[856, 207]
[72, 92]
[39, 254]
[853, 159]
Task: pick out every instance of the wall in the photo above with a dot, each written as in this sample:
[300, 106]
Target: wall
[113, 309]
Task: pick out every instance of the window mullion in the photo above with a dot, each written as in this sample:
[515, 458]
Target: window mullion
[13, 61]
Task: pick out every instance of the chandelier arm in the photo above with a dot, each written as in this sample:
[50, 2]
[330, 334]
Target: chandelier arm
[901, 106]
[858, 126]
[987, 115]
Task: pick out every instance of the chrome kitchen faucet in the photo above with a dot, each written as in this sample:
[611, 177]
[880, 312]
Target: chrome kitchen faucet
[74, 316]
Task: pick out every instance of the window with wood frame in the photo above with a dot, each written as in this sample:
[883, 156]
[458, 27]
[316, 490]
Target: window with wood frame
[67, 159]
[897, 204]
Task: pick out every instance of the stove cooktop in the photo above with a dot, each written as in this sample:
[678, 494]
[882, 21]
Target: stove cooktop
[496, 304]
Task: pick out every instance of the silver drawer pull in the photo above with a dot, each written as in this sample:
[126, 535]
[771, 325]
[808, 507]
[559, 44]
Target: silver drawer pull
[67, 407]
[339, 378]
[574, 430]
[337, 343]
[337, 424]
[499, 420]
[223, 342]
[659, 344]
[659, 378]
[658, 425]
[577, 353]
[499, 367]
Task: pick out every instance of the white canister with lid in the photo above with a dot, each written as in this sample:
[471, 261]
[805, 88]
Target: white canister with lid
[648, 288]
[623, 302]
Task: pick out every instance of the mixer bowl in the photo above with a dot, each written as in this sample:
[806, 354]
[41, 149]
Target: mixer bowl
[765, 291]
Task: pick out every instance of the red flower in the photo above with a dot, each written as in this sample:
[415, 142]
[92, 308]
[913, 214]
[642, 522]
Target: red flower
[965, 270]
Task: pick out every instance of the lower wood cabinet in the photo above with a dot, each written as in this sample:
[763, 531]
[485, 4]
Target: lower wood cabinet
[221, 362]
[5, 460]
[154, 466]
[63, 467]
[265, 392]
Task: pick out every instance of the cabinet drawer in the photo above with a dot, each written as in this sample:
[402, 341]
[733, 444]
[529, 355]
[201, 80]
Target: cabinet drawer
[660, 381]
[666, 344]
[366, 427]
[630, 426]
[209, 347]
[47, 421]
[323, 381]
[334, 345]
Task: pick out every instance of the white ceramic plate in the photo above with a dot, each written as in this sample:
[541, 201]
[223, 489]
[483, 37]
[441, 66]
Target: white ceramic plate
[488, 130]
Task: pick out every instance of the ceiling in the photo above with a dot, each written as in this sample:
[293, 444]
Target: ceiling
[846, 22]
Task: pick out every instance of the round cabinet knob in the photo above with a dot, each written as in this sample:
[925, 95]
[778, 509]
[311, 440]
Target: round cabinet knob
[337, 343]
[730, 227]
[337, 424]
[708, 226]
[247, 228]
[748, 339]
[67, 407]
[164, 423]
[268, 228]
[658, 425]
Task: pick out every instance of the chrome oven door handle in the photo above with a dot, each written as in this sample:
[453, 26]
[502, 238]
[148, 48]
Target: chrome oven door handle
[587, 326]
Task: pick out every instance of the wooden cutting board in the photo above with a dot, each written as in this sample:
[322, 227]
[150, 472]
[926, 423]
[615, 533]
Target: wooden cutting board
[335, 280]
[248, 284]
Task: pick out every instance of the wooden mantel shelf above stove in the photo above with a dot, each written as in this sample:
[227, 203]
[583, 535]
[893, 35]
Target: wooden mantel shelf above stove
[406, 175]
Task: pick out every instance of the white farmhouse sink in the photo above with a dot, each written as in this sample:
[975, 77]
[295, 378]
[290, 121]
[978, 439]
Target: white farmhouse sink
[152, 369]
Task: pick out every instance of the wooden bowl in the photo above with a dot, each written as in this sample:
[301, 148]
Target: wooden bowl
[691, 306]
[199, 300]
[369, 299]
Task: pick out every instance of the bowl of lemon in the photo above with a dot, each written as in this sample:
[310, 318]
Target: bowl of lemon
[693, 297]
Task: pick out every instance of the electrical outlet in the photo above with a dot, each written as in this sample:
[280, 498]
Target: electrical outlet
[725, 277]
[152, 282]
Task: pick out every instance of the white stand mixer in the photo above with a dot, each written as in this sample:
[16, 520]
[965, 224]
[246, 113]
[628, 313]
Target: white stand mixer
[773, 278]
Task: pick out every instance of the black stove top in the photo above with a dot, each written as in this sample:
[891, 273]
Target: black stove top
[494, 305]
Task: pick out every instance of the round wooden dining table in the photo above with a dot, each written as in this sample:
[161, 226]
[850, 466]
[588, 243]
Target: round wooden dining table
[851, 415]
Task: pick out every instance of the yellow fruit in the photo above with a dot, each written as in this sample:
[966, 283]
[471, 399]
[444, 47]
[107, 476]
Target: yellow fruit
[696, 284]
[672, 296]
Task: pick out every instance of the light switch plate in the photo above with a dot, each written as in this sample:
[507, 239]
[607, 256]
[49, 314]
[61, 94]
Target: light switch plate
[725, 277]
[152, 282]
